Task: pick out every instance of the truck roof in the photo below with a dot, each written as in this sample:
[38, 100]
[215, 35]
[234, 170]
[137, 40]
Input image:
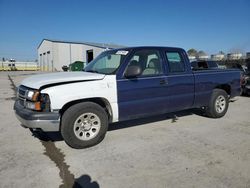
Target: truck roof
[153, 47]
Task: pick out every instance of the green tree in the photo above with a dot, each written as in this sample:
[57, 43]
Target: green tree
[201, 53]
[192, 52]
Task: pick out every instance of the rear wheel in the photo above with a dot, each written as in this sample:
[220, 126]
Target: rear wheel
[218, 104]
[84, 125]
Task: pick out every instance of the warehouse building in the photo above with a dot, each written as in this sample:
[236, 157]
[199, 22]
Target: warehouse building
[234, 56]
[53, 54]
[217, 57]
[248, 55]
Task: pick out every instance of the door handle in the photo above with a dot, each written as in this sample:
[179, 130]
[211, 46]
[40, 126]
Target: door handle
[163, 82]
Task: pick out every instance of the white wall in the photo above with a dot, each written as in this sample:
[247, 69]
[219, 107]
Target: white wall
[96, 51]
[19, 65]
[45, 54]
[63, 54]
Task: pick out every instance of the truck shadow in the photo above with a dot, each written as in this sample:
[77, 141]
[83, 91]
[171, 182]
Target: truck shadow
[85, 181]
[174, 117]
[47, 136]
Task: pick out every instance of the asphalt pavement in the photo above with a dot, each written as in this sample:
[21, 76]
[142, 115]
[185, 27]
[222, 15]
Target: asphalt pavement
[160, 151]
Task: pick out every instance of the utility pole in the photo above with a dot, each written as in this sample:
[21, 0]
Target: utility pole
[70, 53]
[2, 63]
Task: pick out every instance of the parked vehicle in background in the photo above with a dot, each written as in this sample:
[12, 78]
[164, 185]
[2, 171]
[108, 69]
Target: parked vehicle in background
[245, 77]
[238, 66]
[245, 83]
[119, 85]
[203, 64]
[65, 68]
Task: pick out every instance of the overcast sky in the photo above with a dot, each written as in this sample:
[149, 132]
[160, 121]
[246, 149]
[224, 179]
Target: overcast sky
[209, 25]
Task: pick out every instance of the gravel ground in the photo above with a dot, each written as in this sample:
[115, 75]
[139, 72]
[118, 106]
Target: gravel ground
[161, 151]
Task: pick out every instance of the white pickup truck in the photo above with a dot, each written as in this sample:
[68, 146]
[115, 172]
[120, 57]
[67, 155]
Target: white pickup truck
[119, 85]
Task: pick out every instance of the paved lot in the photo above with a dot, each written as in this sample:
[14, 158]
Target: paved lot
[192, 151]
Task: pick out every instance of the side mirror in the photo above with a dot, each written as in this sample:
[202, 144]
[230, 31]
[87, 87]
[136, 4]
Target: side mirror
[133, 71]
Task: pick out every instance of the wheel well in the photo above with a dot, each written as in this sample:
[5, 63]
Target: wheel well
[100, 101]
[225, 87]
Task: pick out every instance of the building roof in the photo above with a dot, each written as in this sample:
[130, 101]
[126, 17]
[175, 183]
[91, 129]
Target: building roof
[94, 44]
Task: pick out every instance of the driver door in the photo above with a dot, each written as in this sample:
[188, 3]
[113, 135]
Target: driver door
[146, 94]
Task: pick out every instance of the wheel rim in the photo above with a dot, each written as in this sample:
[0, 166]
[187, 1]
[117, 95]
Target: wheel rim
[220, 104]
[87, 126]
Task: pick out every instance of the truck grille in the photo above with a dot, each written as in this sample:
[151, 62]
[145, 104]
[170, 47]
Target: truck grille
[22, 90]
[21, 94]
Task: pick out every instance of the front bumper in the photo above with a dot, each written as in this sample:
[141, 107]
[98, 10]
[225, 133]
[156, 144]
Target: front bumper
[47, 121]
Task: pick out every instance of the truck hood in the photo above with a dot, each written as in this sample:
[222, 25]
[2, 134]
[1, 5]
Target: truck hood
[40, 80]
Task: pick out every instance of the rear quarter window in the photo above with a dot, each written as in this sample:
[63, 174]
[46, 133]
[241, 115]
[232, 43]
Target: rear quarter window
[175, 62]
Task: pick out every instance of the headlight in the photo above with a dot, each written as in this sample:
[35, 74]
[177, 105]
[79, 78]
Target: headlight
[33, 105]
[43, 104]
[37, 101]
[32, 95]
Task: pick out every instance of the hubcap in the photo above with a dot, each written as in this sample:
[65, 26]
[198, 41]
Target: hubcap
[220, 104]
[87, 126]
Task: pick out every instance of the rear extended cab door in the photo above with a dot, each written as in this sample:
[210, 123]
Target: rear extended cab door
[181, 84]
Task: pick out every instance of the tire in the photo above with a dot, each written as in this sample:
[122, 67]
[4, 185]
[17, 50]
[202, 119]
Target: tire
[84, 125]
[218, 104]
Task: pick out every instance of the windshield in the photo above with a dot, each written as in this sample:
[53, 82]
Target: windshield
[107, 62]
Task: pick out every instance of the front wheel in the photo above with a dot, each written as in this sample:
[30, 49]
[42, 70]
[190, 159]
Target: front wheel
[84, 125]
[218, 104]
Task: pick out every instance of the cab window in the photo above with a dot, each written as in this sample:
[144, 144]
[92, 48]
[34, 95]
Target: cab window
[175, 62]
[149, 61]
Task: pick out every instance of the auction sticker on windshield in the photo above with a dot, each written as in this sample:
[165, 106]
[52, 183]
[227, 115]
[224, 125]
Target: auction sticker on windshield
[121, 52]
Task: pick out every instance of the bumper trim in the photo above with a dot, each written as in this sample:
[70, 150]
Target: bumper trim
[47, 121]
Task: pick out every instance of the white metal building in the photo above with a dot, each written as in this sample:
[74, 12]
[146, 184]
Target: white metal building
[191, 58]
[217, 57]
[248, 55]
[234, 56]
[203, 57]
[53, 54]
